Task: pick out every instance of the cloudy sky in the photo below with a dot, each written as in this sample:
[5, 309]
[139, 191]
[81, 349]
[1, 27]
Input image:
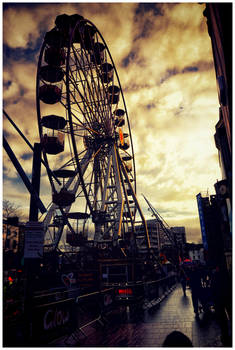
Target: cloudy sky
[162, 52]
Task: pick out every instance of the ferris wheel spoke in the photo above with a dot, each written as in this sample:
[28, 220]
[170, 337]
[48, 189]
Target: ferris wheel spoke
[80, 123]
[86, 95]
[98, 95]
[106, 178]
[89, 88]
[85, 104]
[120, 201]
[83, 164]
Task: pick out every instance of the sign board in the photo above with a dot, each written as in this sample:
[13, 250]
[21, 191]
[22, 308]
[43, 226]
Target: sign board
[34, 237]
[51, 321]
[202, 221]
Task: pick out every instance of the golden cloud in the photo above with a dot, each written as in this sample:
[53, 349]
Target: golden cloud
[164, 60]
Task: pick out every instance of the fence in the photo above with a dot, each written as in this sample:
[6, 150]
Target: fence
[65, 313]
[94, 307]
[156, 291]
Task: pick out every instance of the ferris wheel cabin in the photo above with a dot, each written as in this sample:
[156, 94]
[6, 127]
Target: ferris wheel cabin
[50, 94]
[113, 92]
[76, 238]
[54, 56]
[53, 139]
[83, 32]
[98, 55]
[125, 145]
[51, 74]
[119, 117]
[106, 72]
[65, 197]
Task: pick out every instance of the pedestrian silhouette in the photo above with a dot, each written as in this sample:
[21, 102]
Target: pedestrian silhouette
[183, 279]
[195, 276]
[177, 339]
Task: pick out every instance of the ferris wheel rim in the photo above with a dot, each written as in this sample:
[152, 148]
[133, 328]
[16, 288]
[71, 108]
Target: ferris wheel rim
[49, 172]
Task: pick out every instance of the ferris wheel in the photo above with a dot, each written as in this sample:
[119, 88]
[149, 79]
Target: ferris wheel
[86, 139]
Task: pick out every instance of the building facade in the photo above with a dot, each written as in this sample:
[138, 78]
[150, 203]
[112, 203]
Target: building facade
[179, 235]
[219, 21]
[195, 252]
[13, 244]
[154, 236]
[168, 241]
[160, 237]
[213, 233]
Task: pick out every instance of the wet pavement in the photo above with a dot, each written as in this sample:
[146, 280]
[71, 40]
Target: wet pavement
[149, 327]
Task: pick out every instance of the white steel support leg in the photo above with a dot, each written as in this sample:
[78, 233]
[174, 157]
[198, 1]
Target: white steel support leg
[136, 202]
[120, 200]
[104, 194]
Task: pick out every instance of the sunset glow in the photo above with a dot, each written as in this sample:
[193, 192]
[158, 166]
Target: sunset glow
[163, 56]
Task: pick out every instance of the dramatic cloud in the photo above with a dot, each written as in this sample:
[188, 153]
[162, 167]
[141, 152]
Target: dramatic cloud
[162, 52]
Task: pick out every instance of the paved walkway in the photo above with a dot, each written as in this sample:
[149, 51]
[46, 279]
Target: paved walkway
[150, 327]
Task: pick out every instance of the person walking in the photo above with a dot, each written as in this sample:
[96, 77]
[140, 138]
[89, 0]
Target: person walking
[195, 276]
[183, 279]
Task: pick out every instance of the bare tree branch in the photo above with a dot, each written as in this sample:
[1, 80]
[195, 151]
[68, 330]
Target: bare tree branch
[10, 209]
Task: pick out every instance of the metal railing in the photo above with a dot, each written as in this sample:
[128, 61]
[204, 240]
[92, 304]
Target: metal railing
[94, 307]
[66, 313]
[156, 291]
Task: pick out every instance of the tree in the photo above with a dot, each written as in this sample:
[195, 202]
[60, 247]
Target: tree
[10, 209]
